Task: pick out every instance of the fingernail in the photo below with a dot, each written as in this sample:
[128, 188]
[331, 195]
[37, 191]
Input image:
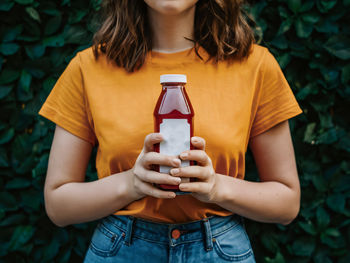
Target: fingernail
[194, 139]
[175, 171]
[177, 180]
[183, 155]
[177, 162]
[182, 187]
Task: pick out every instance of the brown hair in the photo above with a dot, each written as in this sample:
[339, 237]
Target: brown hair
[125, 36]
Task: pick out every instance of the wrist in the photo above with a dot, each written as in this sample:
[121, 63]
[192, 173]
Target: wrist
[130, 190]
[220, 191]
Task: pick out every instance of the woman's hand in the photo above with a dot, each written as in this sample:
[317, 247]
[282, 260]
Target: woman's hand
[142, 175]
[205, 184]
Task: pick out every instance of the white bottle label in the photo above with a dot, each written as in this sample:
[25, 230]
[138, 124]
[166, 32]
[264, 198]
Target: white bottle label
[176, 134]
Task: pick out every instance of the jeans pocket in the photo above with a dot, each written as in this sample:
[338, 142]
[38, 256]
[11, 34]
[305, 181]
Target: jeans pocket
[104, 242]
[233, 245]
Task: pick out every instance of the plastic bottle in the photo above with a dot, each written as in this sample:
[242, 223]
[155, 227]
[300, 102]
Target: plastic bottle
[173, 118]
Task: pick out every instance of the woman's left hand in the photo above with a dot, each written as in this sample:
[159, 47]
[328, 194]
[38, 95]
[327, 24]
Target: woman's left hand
[204, 187]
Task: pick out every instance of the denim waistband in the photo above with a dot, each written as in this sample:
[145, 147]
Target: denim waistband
[172, 234]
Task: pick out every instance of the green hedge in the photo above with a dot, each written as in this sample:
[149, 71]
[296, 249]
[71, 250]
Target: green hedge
[310, 39]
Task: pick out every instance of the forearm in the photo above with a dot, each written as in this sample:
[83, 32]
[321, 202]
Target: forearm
[270, 202]
[79, 202]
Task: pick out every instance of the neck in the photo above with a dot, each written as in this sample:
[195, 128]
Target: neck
[169, 32]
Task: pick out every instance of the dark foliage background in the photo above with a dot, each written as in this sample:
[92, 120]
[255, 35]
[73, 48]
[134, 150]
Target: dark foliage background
[310, 39]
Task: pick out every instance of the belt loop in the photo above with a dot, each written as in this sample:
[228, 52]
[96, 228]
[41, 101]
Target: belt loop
[129, 230]
[208, 238]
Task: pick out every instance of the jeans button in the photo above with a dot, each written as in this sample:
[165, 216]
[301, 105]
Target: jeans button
[175, 234]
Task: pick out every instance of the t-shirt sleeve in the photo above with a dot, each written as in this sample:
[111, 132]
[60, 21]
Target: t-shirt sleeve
[66, 104]
[276, 101]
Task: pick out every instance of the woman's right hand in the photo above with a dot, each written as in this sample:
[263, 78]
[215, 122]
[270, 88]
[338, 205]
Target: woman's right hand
[142, 175]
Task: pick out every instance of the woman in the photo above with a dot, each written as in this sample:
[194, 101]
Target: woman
[107, 95]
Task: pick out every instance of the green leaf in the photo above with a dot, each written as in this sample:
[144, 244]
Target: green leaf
[12, 33]
[53, 25]
[339, 46]
[21, 236]
[336, 202]
[322, 257]
[277, 259]
[285, 26]
[344, 143]
[309, 135]
[309, 89]
[65, 2]
[36, 73]
[332, 242]
[24, 2]
[327, 26]
[3, 158]
[330, 76]
[25, 166]
[74, 34]
[51, 10]
[325, 5]
[332, 232]
[66, 256]
[322, 217]
[308, 227]
[76, 16]
[280, 42]
[8, 49]
[326, 120]
[28, 38]
[6, 5]
[304, 246]
[311, 18]
[17, 183]
[24, 93]
[328, 137]
[80, 246]
[48, 84]
[33, 13]
[269, 242]
[294, 5]
[35, 51]
[7, 135]
[284, 60]
[8, 202]
[4, 91]
[51, 250]
[31, 199]
[302, 28]
[320, 183]
[25, 81]
[307, 5]
[11, 220]
[54, 41]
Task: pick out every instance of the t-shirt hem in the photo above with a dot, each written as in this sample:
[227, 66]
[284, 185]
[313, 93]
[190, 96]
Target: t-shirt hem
[139, 215]
[69, 125]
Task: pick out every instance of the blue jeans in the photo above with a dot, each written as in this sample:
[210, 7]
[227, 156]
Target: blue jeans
[128, 239]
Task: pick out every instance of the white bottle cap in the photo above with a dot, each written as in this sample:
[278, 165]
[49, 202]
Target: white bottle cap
[176, 78]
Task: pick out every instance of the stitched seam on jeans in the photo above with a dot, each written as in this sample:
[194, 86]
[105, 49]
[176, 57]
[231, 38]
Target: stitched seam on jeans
[150, 240]
[239, 257]
[224, 231]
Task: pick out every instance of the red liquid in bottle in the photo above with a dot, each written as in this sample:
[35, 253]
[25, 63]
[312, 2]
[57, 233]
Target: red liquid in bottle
[173, 118]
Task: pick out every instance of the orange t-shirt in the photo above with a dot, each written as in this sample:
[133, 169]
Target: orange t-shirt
[113, 110]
